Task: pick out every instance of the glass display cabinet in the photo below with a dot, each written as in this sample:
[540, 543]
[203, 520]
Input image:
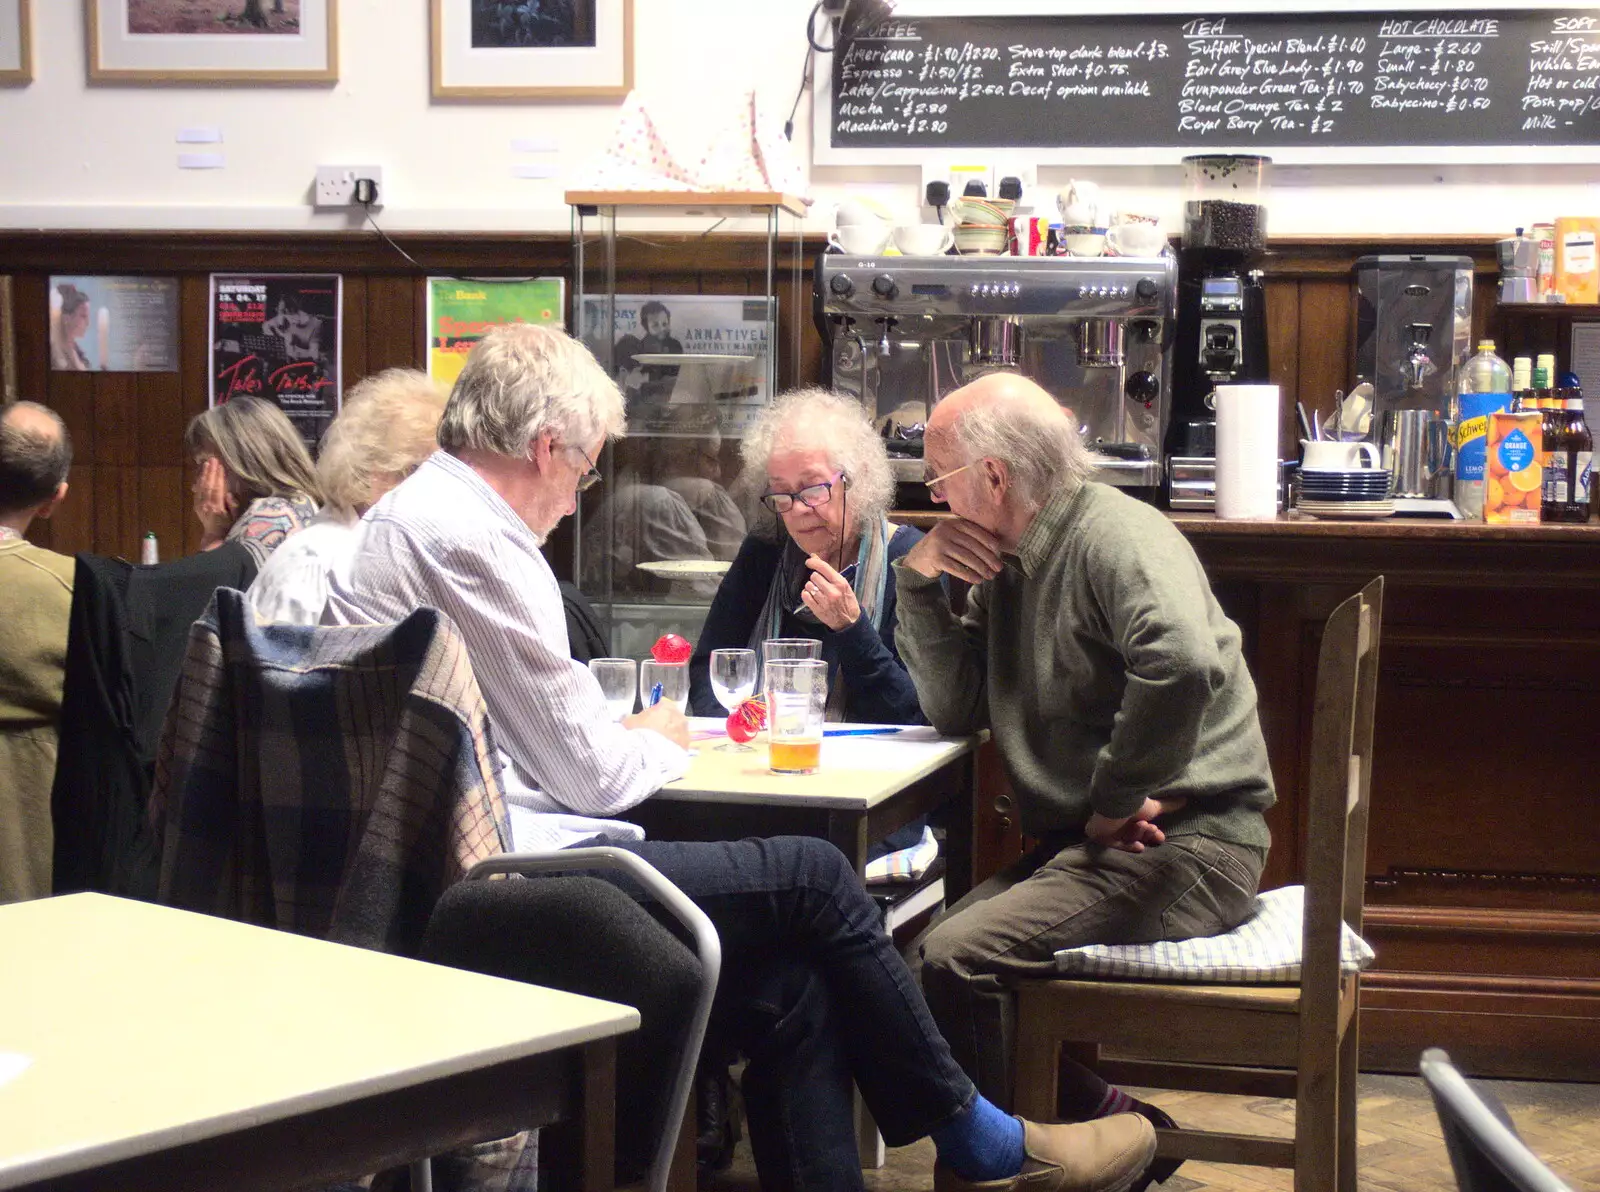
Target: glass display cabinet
[694, 303]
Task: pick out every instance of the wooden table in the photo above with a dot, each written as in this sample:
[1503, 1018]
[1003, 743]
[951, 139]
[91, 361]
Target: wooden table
[866, 788]
[160, 1049]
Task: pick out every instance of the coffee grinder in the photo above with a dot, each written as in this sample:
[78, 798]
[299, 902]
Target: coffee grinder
[1222, 317]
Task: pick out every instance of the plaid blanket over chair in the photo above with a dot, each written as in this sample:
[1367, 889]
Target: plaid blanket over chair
[328, 781]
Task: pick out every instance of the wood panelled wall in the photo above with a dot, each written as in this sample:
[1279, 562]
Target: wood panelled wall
[130, 474]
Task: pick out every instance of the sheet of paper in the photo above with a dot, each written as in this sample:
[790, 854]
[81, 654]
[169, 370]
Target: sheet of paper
[12, 1065]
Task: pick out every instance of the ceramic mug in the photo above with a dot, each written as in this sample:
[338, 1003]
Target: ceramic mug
[860, 240]
[1079, 202]
[854, 211]
[1136, 238]
[1330, 455]
[1084, 244]
[923, 239]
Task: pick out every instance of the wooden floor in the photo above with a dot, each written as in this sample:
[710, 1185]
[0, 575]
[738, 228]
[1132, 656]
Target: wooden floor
[1400, 1146]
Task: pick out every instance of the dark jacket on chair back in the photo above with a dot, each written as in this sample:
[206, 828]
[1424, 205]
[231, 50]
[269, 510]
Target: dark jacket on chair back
[125, 644]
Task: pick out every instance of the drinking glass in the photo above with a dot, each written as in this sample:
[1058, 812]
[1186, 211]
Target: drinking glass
[797, 698]
[673, 678]
[775, 648]
[616, 679]
[733, 680]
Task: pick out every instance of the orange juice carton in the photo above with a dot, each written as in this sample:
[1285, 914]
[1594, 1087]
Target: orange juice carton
[1514, 476]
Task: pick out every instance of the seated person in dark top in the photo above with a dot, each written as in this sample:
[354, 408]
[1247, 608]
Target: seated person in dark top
[821, 568]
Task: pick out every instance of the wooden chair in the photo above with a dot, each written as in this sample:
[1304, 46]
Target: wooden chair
[1252, 1040]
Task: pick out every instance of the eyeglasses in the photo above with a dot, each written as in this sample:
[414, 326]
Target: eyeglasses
[590, 478]
[938, 480]
[810, 496]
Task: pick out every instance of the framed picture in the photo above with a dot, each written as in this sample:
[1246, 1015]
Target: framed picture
[16, 46]
[513, 49]
[8, 344]
[187, 41]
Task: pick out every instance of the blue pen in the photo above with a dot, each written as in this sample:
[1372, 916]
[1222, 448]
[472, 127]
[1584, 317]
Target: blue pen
[655, 695]
[859, 732]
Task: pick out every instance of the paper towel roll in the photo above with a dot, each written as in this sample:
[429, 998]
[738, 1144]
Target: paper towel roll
[1247, 451]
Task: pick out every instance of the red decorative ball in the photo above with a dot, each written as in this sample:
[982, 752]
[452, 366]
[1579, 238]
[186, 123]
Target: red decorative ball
[671, 649]
[740, 730]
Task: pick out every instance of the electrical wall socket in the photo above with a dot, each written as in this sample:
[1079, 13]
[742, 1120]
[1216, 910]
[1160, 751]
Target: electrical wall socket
[336, 185]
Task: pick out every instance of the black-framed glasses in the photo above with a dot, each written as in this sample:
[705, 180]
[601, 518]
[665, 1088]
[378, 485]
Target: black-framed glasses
[590, 478]
[810, 496]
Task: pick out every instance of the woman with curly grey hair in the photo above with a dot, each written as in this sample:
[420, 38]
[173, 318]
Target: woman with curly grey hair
[820, 568]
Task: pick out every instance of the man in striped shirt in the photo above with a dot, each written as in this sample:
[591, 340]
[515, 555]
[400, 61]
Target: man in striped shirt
[812, 990]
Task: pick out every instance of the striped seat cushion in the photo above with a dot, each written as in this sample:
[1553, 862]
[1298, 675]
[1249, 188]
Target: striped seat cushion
[1264, 948]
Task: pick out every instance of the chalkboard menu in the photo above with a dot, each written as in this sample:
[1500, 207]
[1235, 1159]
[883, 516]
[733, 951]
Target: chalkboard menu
[1504, 77]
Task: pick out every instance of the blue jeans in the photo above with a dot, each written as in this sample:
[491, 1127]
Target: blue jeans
[815, 995]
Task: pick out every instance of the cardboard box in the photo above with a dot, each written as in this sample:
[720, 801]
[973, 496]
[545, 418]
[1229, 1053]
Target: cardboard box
[1513, 476]
[1577, 262]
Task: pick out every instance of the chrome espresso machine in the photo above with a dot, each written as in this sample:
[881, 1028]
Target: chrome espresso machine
[902, 332]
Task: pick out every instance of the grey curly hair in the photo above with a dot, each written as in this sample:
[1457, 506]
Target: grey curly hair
[816, 417]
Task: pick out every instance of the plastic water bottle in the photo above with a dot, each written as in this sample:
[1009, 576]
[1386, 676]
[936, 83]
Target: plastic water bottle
[149, 549]
[1485, 386]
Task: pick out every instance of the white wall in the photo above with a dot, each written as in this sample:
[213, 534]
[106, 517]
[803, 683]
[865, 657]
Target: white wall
[72, 156]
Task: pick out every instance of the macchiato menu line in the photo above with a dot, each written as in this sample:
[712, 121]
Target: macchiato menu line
[1502, 77]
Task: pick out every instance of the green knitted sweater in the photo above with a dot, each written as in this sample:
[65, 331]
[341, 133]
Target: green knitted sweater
[1105, 669]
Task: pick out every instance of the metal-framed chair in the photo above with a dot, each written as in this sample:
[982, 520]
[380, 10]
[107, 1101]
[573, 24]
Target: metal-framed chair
[707, 949]
[1486, 1152]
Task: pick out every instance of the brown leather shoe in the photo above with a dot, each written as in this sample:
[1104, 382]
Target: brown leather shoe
[1106, 1155]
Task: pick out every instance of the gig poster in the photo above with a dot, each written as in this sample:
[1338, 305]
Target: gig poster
[276, 336]
[461, 311]
[114, 324]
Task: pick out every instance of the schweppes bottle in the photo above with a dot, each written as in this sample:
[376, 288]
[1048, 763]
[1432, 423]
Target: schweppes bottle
[1485, 386]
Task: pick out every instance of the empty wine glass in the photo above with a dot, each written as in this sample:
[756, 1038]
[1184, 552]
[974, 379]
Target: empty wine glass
[671, 677]
[733, 680]
[616, 679]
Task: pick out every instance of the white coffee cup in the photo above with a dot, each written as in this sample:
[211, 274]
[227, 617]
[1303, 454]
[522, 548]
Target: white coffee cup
[1330, 455]
[923, 239]
[1135, 239]
[861, 240]
[854, 211]
[1084, 244]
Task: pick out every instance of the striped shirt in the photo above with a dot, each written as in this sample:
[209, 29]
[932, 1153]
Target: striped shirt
[447, 540]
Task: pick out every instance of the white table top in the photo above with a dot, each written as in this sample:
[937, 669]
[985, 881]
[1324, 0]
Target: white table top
[856, 774]
[127, 1028]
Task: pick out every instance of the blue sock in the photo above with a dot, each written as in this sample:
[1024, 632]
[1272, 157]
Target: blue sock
[982, 1142]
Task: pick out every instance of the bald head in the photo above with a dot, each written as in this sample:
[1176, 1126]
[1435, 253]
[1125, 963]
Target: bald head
[1009, 417]
[35, 454]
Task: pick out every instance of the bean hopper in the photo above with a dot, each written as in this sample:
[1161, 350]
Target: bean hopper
[1222, 320]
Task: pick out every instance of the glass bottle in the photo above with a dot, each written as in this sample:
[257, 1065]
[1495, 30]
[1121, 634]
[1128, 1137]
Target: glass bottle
[1484, 386]
[1583, 462]
[1568, 450]
[1555, 495]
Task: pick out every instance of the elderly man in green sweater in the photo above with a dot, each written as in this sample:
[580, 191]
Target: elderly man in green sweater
[1114, 686]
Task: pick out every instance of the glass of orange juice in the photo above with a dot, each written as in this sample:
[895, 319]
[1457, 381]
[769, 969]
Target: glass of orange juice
[797, 698]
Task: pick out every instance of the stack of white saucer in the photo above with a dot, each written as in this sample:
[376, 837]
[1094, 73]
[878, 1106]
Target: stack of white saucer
[1345, 493]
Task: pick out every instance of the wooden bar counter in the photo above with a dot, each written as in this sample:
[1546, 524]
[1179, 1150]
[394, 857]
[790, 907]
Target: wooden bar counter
[1483, 865]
